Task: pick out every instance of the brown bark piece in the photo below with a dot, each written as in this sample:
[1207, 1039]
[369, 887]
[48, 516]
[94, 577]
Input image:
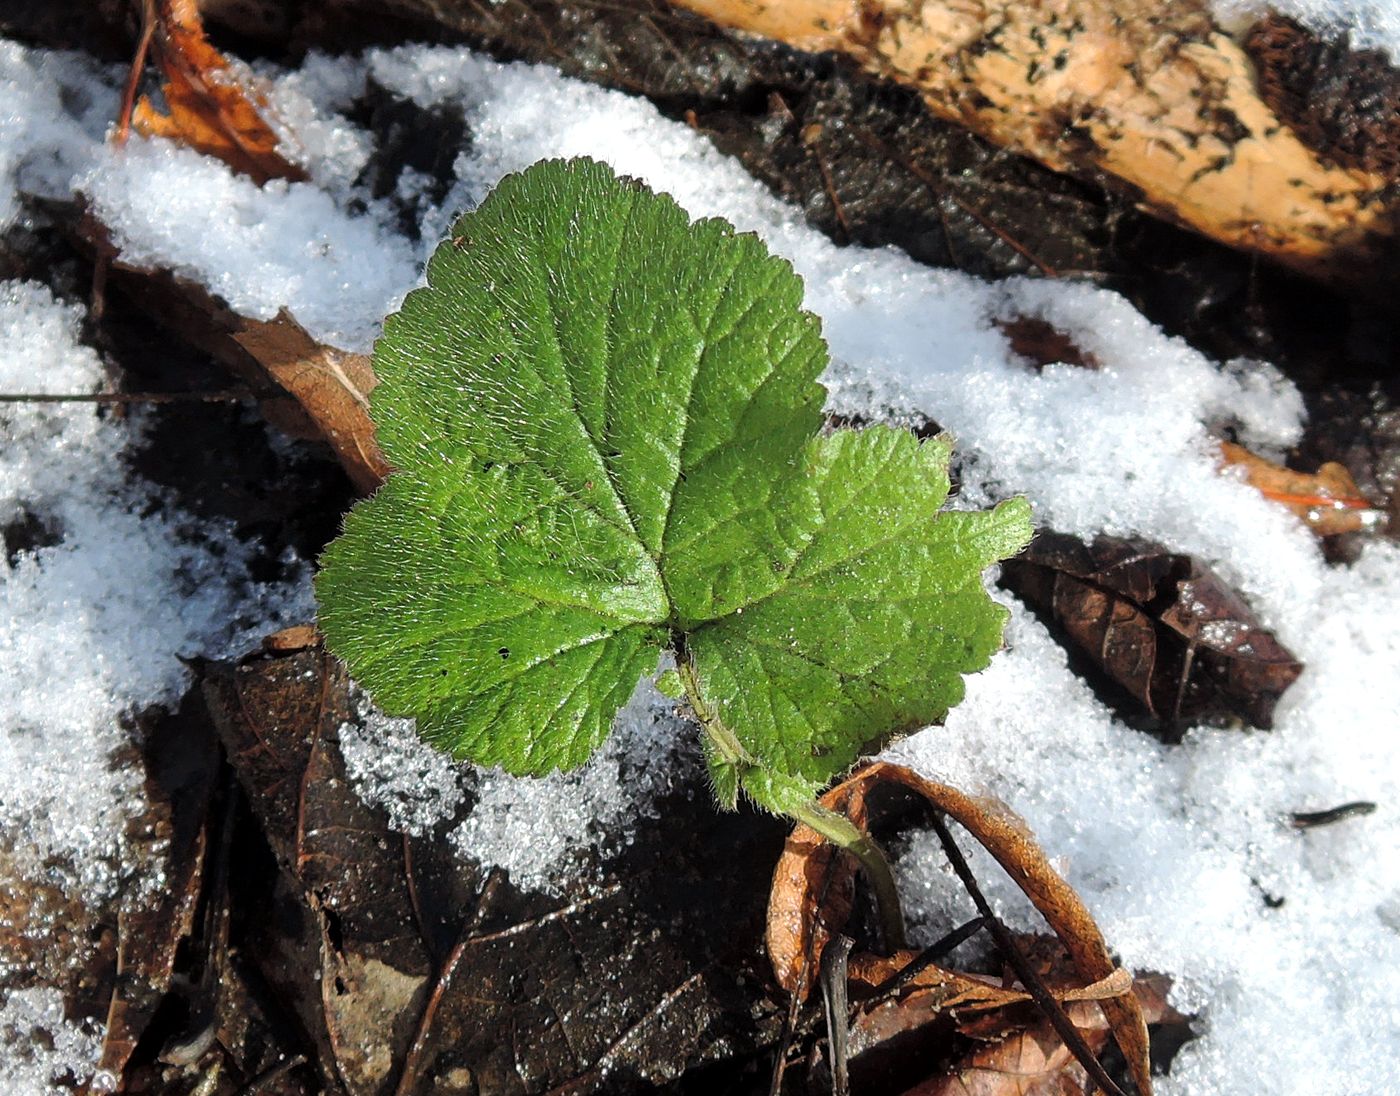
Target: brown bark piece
[1339, 101]
[1152, 93]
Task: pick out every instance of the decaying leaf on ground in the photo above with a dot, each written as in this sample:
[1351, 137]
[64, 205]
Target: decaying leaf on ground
[413, 969]
[332, 387]
[307, 389]
[1030, 1059]
[1328, 500]
[810, 903]
[1162, 625]
[215, 105]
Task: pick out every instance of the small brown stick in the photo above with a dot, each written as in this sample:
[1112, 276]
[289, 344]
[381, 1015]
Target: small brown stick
[1039, 992]
[138, 65]
[928, 957]
[267, 1076]
[811, 142]
[412, 885]
[1005, 237]
[1306, 820]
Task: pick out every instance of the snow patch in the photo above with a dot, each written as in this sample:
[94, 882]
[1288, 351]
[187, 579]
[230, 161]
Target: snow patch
[544, 832]
[44, 1052]
[540, 830]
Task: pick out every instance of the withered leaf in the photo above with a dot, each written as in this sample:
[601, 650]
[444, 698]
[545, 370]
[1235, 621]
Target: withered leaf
[812, 895]
[1033, 1061]
[181, 760]
[1029, 1059]
[215, 106]
[332, 386]
[352, 960]
[397, 954]
[1160, 624]
[305, 388]
[1006, 837]
[1328, 500]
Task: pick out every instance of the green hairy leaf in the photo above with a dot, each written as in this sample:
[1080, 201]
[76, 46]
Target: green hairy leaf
[606, 428]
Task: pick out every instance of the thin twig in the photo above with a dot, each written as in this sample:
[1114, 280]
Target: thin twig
[1304, 820]
[1039, 992]
[267, 1076]
[221, 395]
[928, 957]
[138, 66]
[427, 937]
[838, 1023]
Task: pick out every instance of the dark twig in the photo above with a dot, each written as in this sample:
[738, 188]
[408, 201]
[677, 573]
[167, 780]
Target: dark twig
[1039, 992]
[929, 956]
[412, 885]
[267, 1076]
[138, 66]
[221, 395]
[838, 1024]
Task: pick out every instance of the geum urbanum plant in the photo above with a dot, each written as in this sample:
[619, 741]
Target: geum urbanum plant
[607, 433]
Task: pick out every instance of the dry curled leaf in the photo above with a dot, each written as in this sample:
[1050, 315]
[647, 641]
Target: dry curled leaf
[319, 392]
[1030, 1059]
[998, 830]
[1328, 500]
[1162, 625]
[332, 387]
[812, 896]
[214, 105]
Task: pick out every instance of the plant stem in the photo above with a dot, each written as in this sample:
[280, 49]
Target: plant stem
[836, 828]
[845, 834]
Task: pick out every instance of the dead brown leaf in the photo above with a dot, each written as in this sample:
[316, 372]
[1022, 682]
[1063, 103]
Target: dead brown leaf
[412, 969]
[332, 386]
[214, 105]
[1032, 1060]
[1162, 625]
[812, 895]
[318, 391]
[1006, 837]
[1328, 500]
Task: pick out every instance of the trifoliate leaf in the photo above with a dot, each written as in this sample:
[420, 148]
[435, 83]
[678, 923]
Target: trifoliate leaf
[604, 423]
